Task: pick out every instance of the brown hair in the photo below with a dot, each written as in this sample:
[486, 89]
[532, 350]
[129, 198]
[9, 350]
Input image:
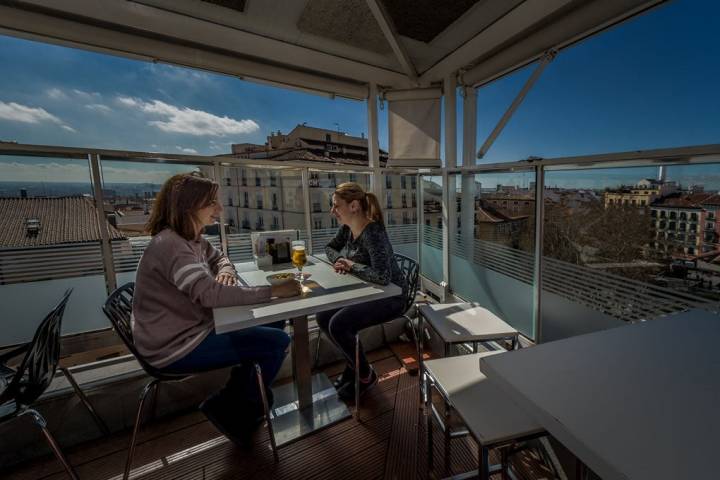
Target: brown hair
[369, 204]
[176, 205]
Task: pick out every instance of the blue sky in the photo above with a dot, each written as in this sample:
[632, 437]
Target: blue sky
[649, 83]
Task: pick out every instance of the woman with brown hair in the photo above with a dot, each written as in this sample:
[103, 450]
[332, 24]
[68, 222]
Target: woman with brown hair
[361, 247]
[180, 279]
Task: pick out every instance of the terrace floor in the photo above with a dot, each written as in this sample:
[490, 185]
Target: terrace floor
[388, 443]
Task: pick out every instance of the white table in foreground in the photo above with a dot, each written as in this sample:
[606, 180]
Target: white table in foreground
[311, 403]
[635, 402]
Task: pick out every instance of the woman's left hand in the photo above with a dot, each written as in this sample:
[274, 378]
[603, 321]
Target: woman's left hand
[224, 278]
[343, 265]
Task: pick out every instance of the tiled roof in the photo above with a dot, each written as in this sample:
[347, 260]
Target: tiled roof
[62, 220]
[694, 200]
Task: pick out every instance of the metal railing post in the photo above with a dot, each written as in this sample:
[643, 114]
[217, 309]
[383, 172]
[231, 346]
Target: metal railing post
[105, 245]
[217, 172]
[538, 264]
[305, 180]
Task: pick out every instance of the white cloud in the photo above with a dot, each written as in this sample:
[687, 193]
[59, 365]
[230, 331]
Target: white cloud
[191, 151]
[56, 94]
[86, 95]
[68, 128]
[127, 101]
[98, 107]
[21, 113]
[188, 121]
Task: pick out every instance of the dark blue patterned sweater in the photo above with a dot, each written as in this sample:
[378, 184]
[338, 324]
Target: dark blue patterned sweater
[371, 252]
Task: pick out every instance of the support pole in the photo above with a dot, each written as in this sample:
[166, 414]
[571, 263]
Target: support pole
[105, 245]
[538, 267]
[467, 201]
[548, 57]
[373, 146]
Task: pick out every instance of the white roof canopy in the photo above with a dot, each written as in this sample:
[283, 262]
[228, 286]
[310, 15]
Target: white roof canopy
[328, 46]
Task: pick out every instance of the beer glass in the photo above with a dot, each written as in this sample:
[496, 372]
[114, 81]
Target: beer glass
[298, 257]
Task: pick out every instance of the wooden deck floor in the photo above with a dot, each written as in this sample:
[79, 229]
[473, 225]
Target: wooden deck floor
[388, 443]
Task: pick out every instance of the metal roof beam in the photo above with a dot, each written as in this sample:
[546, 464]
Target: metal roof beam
[388, 29]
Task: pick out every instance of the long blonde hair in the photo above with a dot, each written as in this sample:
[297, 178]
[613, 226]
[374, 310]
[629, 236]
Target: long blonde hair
[369, 204]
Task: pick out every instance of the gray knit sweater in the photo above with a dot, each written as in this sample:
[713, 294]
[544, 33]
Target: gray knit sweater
[175, 292]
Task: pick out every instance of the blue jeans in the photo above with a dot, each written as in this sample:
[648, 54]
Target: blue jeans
[343, 324]
[265, 345]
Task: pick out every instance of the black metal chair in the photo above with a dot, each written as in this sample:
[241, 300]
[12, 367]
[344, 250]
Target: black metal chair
[410, 273]
[118, 308]
[34, 375]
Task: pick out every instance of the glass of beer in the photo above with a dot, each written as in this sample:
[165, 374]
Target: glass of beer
[299, 258]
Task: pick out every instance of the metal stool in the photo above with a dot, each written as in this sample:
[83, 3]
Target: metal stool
[491, 418]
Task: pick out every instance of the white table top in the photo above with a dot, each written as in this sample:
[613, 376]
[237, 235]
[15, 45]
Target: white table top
[327, 290]
[639, 401]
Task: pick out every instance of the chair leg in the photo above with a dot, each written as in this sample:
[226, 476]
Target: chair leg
[81, 395]
[429, 419]
[357, 376]
[384, 334]
[484, 467]
[138, 420]
[316, 362]
[40, 421]
[266, 408]
[447, 437]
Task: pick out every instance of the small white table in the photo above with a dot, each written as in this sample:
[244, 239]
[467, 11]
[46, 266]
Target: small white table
[640, 401]
[312, 402]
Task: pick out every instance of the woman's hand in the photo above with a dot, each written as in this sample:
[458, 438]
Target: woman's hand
[289, 288]
[225, 278]
[343, 265]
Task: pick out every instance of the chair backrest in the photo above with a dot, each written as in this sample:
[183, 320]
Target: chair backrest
[410, 272]
[38, 367]
[118, 309]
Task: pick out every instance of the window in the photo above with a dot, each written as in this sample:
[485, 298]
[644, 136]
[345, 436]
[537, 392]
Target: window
[273, 180]
[259, 202]
[246, 199]
[243, 178]
[404, 199]
[388, 182]
[439, 223]
[275, 223]
[333, 179]
[333, 222]
[413, 183]
[389, 199]
[694, 217]
[274, 201]
[673, 215]
[260, 221]
[353, 177]
[653, 213]
[227, 181]
[662, 214]
[230, 202]
[328, 138]
[403, 182]
[317, 224]
[257, 180]
[414, 201]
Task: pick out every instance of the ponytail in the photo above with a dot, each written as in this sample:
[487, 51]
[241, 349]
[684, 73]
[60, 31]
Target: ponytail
[369, 203]
[374, 211]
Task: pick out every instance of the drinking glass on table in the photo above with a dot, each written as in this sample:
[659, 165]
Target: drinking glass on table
[298, 257]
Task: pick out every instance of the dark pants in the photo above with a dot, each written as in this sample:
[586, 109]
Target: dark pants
[240, 349]
[343, 324]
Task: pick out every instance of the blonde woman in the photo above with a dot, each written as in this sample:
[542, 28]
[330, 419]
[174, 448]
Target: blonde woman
[361, 247]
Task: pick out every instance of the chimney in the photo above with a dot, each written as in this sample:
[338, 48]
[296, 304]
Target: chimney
[23, 193]
[32, 227]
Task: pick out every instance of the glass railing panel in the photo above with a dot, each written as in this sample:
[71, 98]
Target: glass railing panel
[492, 244]
[322, 185]
[608, 260]
[398, 200]
[431, 259]
[129, 193]
[272, 201]
[50, 241]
